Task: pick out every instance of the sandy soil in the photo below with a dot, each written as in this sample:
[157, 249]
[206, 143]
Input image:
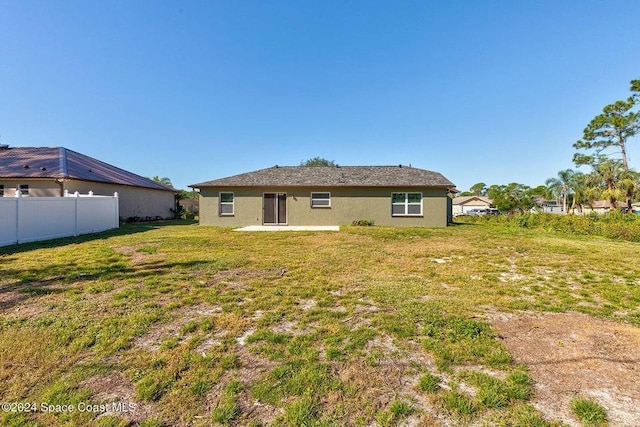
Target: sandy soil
[572, 354]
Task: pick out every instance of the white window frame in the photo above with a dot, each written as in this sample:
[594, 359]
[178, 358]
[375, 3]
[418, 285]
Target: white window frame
[221, 203]
[406, 203]
[24, 192]
[311, 199]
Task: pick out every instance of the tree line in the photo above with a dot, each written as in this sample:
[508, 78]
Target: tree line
[603, 147]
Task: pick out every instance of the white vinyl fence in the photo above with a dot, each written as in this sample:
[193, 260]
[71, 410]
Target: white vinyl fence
[28, 219]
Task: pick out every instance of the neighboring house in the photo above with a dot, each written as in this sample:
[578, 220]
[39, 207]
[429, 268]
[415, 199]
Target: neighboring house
[548, 206]
[327, 195]
[600, 207]
[48, 171]
[463, 204]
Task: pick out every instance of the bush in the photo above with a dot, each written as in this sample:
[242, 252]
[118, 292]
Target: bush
[614, 225]
[363, 222]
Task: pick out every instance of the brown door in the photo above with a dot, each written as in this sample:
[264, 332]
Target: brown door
[274, 207]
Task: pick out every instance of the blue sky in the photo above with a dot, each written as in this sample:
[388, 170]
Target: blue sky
[492, 91]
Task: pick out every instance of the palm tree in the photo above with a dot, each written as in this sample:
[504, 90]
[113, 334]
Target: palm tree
[629, 182]
[163, 181]
[579, 190]
[560, 186]
[613, 182]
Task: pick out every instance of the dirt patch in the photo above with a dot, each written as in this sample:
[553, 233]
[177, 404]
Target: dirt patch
[29, 299]
[572, 354]
[139, 254]
[152, 340]
[307, 304]
[9, 299]
[393, 375]
[251, 368]
[119, 393]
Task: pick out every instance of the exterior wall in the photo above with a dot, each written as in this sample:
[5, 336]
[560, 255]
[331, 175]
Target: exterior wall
[37, 187]
[347, 205]
[586, 210]
[134, 201]
[552, 209]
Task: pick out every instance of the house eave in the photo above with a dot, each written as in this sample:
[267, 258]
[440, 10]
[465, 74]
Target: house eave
[70, 178]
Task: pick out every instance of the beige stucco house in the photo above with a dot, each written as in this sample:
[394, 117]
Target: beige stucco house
[464, 204]
[50, 171]
[327, 195]
[600, 207]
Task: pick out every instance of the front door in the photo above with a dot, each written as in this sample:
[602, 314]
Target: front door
[274, 208]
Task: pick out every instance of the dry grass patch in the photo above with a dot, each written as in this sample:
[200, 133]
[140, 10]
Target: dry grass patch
[116, 388]
[185, 322]
[571, 354]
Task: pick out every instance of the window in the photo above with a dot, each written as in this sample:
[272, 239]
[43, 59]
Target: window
[406, 204]
[226, 204]
[1, 190]
[320, 200]
[24, 189]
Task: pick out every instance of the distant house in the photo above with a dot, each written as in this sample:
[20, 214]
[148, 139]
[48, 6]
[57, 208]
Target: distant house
[548, 206]
[601, 207]
[463, 204]
[48, 171]
[324, 195]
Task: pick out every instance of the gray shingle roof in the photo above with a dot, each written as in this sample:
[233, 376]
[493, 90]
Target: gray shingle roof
[332, 176]
[59, 162]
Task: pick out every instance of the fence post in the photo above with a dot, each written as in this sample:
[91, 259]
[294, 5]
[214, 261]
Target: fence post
[117, 210]
[77, 196]
[18, 197]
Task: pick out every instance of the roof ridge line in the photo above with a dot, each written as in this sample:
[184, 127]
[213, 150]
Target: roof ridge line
[63, 162]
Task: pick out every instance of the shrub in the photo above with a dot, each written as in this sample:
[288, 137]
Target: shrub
[614, 225]
[363, 222]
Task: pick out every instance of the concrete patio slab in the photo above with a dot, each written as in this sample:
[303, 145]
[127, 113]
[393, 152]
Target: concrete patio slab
[289, 228]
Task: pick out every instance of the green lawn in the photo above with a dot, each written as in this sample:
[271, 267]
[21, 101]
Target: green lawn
[188, 325]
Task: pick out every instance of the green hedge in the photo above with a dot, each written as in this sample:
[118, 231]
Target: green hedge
[614, 225]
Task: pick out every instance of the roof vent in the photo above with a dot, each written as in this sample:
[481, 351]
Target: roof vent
[277, 166]
[43, 169]
[26, 166]
[4, 146]
[399, 166]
